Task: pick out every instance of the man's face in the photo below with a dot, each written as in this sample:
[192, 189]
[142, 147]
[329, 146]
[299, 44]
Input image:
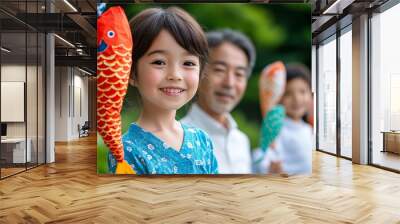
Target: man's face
[225, 78]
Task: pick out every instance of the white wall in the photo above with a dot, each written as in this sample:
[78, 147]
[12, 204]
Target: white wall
[70, 83]
[61, 103]
[81, 82]
[12, 101]
[15, 73]
[33, 127]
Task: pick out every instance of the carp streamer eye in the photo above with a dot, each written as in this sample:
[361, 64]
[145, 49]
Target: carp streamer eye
[110, 34]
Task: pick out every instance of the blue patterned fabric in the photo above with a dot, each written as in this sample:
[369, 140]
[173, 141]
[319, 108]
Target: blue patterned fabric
[270, 128]
[147, 154]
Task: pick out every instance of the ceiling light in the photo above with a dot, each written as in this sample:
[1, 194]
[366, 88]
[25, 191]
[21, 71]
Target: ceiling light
[65, 41]
[70, 5]
[84, 71]
[5, 50]
[337, 7]
[329, 9]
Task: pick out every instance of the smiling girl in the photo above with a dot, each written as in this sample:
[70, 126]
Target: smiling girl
[170, 50]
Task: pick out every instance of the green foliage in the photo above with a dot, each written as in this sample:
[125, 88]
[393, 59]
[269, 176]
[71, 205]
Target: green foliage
[102, 152]
[257, 22]
[248, 126]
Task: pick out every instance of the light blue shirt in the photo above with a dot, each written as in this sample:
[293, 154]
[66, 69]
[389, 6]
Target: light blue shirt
[294, 146]
[148, 154]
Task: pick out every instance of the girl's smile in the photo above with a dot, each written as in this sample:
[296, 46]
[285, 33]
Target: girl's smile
[172, 91]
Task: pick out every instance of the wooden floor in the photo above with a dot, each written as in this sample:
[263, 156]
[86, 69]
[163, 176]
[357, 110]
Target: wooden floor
[387, 159]
[10, 171]
[70, 191]
[5, 172]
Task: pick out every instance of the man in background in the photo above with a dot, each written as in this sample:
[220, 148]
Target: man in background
[230, 63]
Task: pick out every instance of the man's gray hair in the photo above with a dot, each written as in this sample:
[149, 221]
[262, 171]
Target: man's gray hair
[217, 37]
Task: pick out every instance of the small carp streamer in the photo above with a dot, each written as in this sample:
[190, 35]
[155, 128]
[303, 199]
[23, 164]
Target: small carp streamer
[114, 61]
[272, 84]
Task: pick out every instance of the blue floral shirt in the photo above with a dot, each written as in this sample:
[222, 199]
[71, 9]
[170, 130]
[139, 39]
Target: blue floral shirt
[148, 154]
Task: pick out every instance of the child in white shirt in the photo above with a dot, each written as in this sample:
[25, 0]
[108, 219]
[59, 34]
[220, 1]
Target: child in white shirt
[293, 146]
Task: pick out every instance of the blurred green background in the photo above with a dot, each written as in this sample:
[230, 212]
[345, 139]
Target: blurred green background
[278, 31]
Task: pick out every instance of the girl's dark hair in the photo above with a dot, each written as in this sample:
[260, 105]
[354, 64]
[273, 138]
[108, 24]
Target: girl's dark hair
[298, 71]
[146, 26]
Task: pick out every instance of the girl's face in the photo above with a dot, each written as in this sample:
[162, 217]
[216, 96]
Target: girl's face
[297, 98]
[167, 74]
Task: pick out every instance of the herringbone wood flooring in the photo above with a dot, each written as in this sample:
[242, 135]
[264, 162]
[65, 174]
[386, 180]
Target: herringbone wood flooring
[70, 191]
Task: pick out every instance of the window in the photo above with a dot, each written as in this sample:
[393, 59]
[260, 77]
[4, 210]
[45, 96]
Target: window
[327, 95]
[346, 92]
[385, 88]
[22, 75]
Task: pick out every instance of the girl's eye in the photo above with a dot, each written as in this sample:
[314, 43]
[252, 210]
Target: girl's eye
[189, 63]
[110, 34]
[158, 62]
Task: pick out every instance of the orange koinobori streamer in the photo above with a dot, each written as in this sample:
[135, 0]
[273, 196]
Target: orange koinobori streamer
[114, 61]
